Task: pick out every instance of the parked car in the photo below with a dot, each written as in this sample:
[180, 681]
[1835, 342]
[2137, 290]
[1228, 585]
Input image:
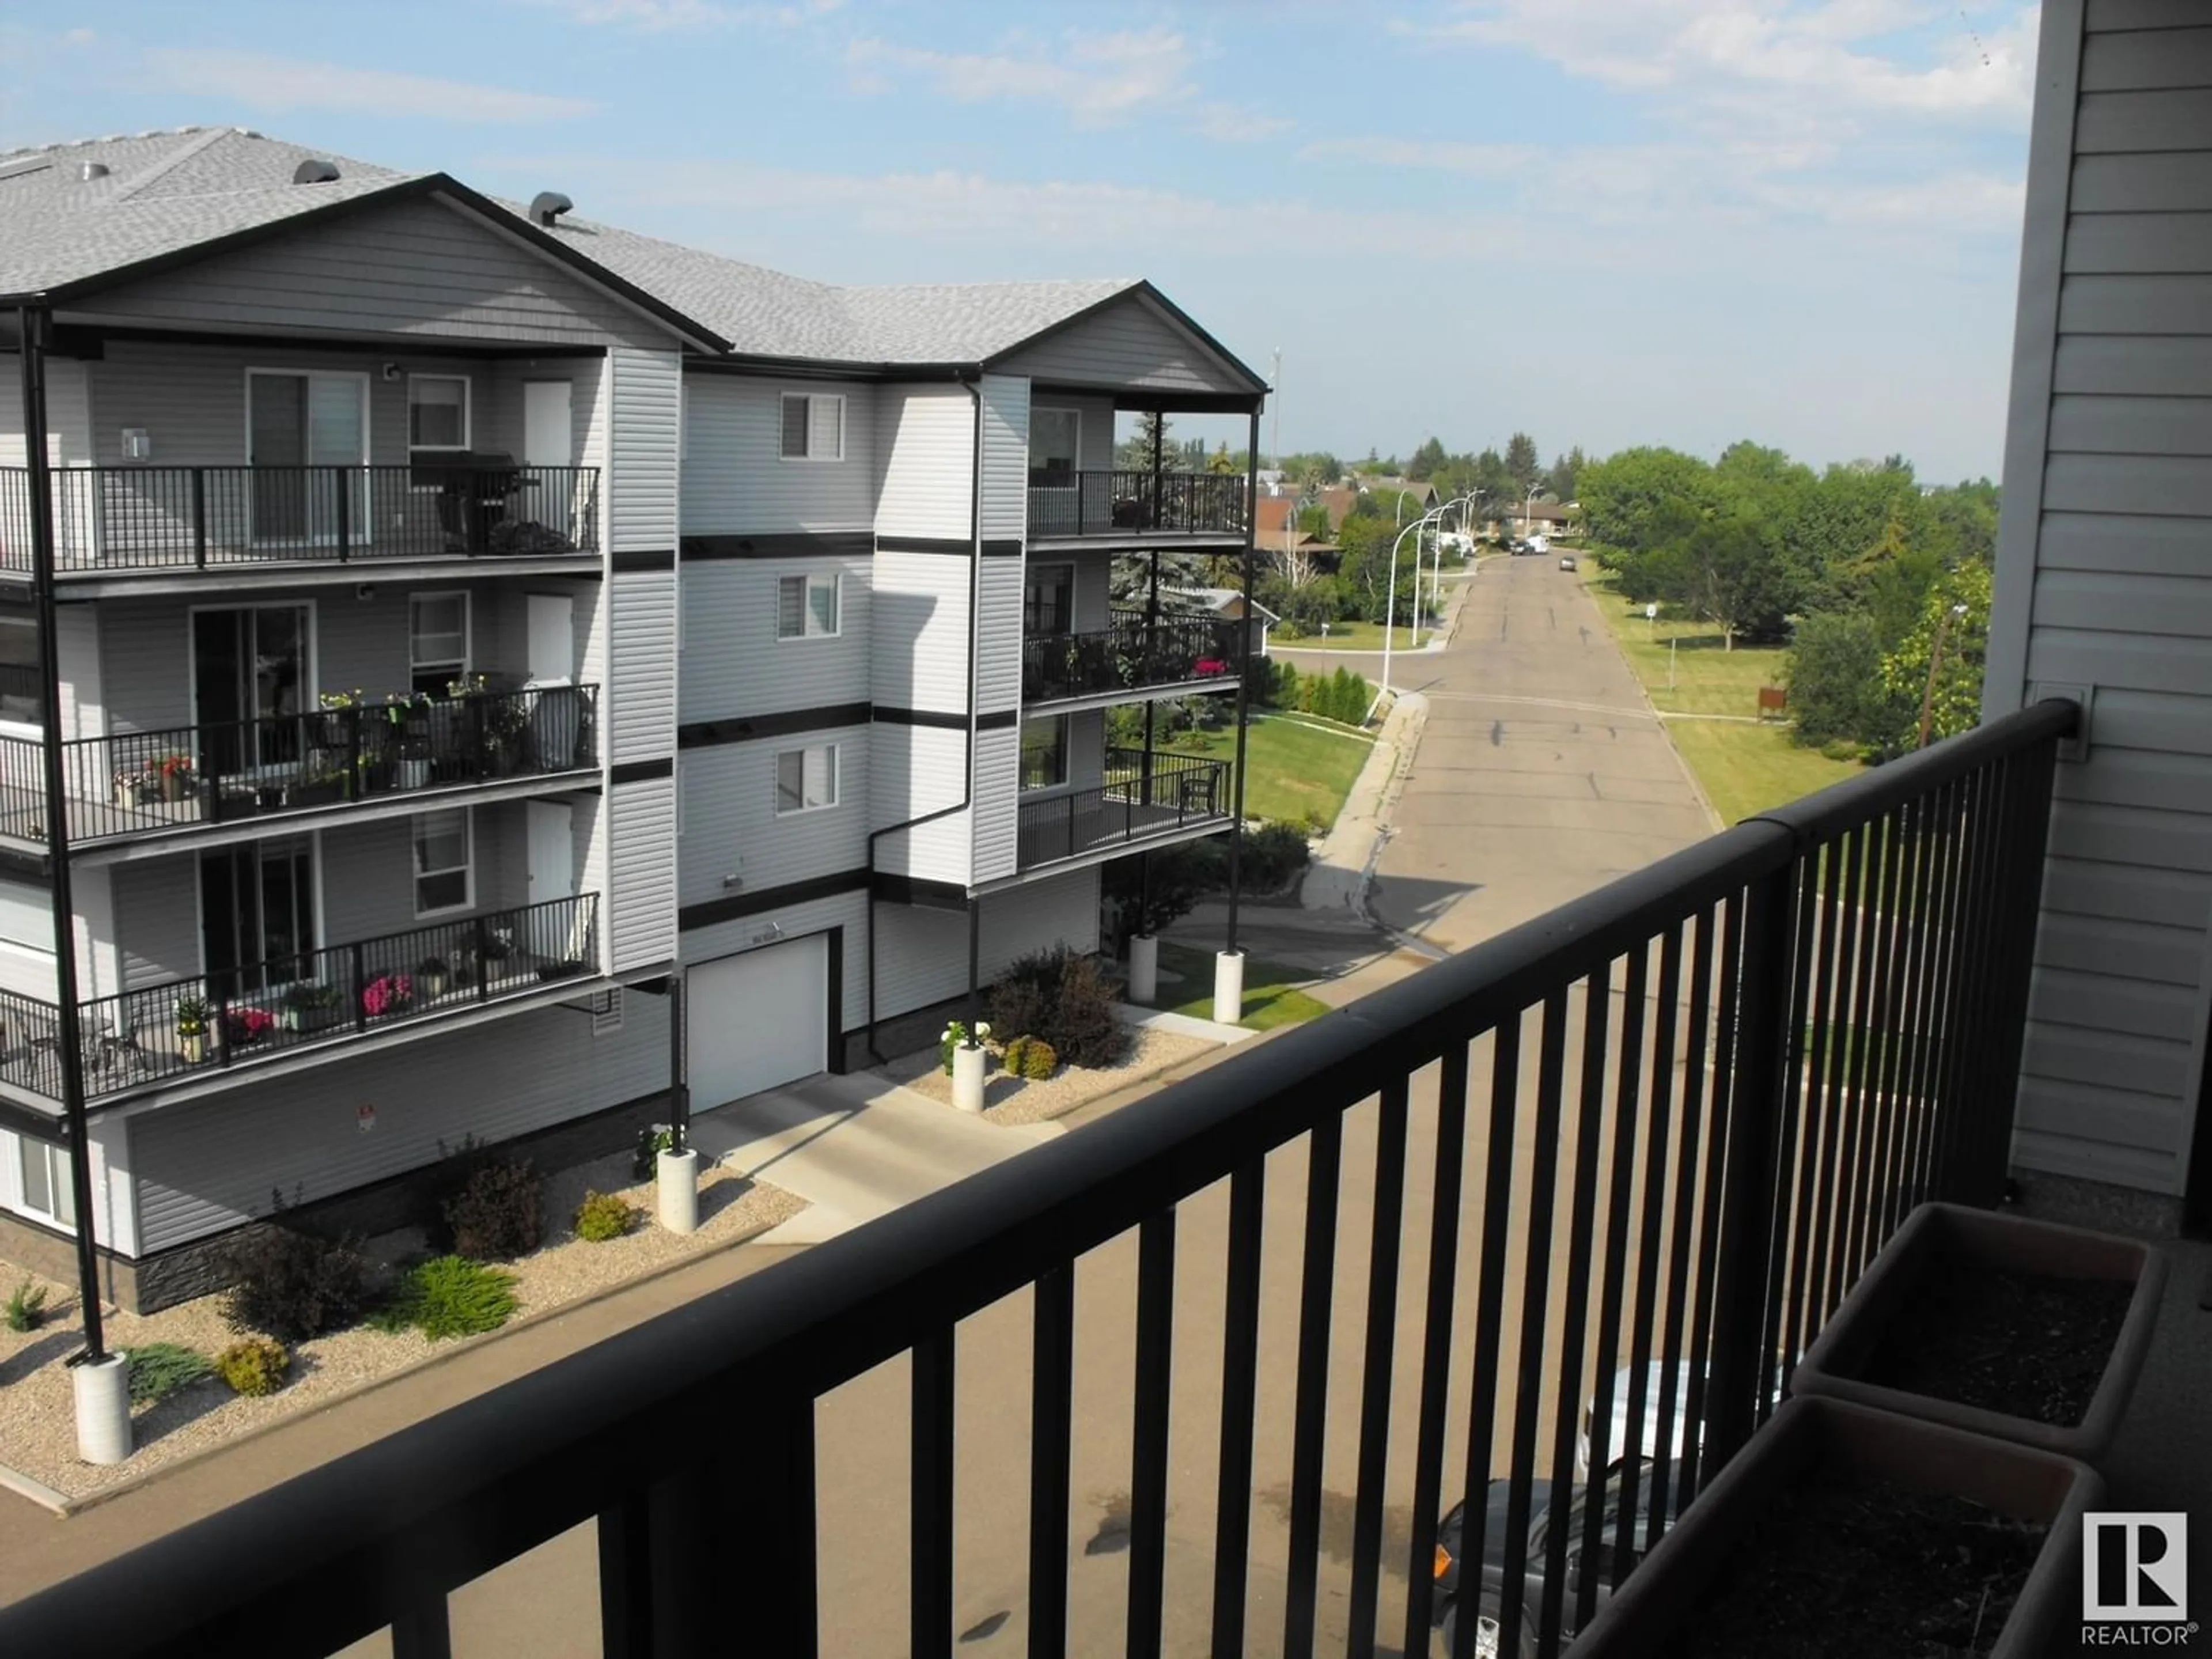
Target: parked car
[1655, 1440]
[1540, 544]
[1517, 547]
[1566, 561]
[1490, 1580]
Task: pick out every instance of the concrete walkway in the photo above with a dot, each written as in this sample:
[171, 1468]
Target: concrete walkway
[854, 1147]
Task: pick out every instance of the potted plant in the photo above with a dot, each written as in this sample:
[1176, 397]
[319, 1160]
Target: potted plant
[325, 783]
[387, 993]
[175, 772]
[430, 975]
[243, 1026]
[309, 1006]
[1907, 1533]
[340, 719]
[2021, 1329]
[192, 1027]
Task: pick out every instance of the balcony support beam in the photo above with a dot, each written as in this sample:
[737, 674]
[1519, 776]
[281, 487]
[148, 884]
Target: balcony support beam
[35, 330]
[1243, 679]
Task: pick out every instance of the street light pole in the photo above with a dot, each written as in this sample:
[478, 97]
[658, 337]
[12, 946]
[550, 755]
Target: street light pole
[1390, 605]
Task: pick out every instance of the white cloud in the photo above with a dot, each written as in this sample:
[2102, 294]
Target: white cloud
[1240, 122]
[1096, 77]
[1484, 160]
[268, 83]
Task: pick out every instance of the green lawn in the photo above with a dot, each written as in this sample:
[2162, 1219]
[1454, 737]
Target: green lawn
[1353, 636]
[1745, 769]
[1271, 998]
[1293, 770]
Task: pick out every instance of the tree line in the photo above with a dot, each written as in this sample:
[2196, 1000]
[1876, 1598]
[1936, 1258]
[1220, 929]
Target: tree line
[1866, 575]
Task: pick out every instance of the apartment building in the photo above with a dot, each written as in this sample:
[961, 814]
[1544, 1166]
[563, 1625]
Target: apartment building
[477, 628]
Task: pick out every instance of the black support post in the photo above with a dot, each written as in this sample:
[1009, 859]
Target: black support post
[975, 955]
[33, 332]
[1244, 676]
[679, 1063]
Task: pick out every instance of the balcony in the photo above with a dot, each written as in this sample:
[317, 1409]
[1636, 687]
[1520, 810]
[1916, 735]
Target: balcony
[136, 784]
[1140, 507]
[1148, 798]
[1346, 1273]
[1133, 656]
[114, 520]
[317, 998]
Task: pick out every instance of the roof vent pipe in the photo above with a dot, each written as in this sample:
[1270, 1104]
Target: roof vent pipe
[92, 170]
[315, 173]
[547, 206]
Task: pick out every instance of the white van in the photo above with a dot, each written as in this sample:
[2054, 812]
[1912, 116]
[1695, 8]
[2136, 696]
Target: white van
[1540, 544]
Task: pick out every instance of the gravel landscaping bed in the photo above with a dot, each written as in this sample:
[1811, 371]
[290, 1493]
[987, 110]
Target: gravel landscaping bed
[1008, 1099]
[37, 1433]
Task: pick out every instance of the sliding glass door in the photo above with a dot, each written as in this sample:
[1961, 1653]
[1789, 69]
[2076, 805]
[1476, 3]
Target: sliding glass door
[297, 423]
[251, 678]
[257, 915]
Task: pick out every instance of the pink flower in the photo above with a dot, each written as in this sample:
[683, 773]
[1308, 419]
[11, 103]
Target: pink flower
[387, 993]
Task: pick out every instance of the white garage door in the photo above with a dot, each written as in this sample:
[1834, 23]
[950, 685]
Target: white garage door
[757, 1020]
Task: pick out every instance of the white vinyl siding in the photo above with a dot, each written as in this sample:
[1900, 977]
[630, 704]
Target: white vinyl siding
[734, 841]
[922, 954]
[643, 467]
[805, 779]
[642, 701]
[733, 482]
[806, 606]
[812, 426]
[641, 904]
[2102, 584]
[925, 451]
[729, 668]
[1005, 458]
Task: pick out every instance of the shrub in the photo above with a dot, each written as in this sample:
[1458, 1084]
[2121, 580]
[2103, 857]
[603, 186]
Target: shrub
[27, 1307]
[1274, 854]
[1030, 1057]
[448, 1295]
[497, 1215]
[603, 1216]
[293, 1285]
[953, 1036]
[254, 1367]
[652, 1142]
[1063, 999]
[158, 1369]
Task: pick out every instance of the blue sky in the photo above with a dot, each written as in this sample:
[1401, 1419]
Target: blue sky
[1603, 222]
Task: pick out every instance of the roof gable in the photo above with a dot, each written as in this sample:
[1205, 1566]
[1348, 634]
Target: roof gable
[1133, 339]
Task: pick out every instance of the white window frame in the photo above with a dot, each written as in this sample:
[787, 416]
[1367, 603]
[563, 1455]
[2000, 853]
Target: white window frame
[836, 779]
[807, 631]
[467, 867]
[60, 1176]
[468, 417]
[811, 398]
[23, 728]
[417, 662]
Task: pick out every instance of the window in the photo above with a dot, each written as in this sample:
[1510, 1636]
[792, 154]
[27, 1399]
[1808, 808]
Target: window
[1049, 600]
[1054, 437]
[806, 607]
[1044, 752]
[437, 412]
[437, 641]
[22, 685]
[813, 426]
[805, 779]
[46, 1187]
[444, 877]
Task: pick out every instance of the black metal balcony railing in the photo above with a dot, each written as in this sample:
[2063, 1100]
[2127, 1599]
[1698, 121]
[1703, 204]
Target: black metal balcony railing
[136, 781]
[1143, 793]
[1129, 656]
[1130, 503]
[1621, 1134]
[317, 996]
[135, 518]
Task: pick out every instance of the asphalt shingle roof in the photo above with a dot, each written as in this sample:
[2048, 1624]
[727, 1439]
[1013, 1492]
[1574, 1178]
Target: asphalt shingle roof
[165, 194]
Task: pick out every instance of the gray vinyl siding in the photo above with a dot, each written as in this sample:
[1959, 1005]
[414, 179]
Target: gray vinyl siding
[997, 786]
[914, 771]
[847, 910]
[1094, 594]
[1130, 343]
[730, 822]
[1005, 456]
[998, 636]
[642, 703]
[76, 657]
[157, 920]
[2104, 581]
[642, 472]
[925, 438]
[732, 665]
[923, 954]
[735, 479]
[640, 906]
[209, 1164]
[367, 873]
[418, 267]
[1094, 430]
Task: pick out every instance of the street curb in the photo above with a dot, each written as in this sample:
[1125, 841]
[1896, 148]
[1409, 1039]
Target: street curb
[37, 1490]
[67, 1506]
[1712, 816]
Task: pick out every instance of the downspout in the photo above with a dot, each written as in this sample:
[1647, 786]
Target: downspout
[31, 326]
[974, 386]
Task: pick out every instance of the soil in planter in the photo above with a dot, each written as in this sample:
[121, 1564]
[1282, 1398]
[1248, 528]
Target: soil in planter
[2028, 1344]
[1840, 1571]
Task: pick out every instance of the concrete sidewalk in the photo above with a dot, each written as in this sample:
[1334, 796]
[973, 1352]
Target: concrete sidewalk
[854, 1147]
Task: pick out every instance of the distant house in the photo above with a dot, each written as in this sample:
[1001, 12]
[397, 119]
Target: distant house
[1424, 494]
[1228, 603]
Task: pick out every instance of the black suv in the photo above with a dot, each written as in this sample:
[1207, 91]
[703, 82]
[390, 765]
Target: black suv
[1446, 1610]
